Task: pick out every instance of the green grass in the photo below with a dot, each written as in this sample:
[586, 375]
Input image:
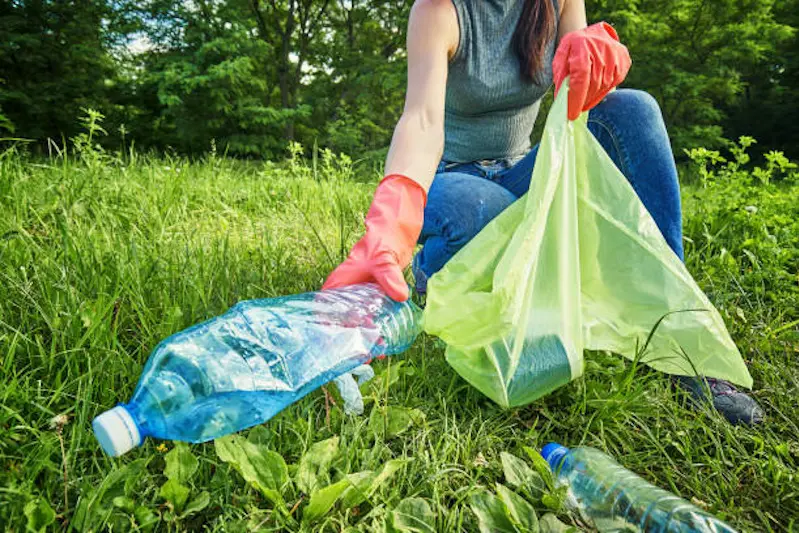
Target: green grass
[102, 258]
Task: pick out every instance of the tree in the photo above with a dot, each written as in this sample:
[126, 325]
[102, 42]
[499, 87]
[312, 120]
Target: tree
[289, 27]
[691, 55]
[358, 85]
[207, 78]
[251, 75]
[54, 60]
[768, 109]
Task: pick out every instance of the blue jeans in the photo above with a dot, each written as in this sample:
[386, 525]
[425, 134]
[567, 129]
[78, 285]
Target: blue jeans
[464, 197]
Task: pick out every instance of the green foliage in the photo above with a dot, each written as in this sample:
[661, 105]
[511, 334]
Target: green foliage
[86, 143]
[196, 504]
[714, 167]
[492, 516]
[692, 55]
[99, 262]
[364, 486]
[744, 233]
[513, 512]
[214, 88]
[260, 467]
[358, 100]
[521, 476]
[254, 76]
[5, 123]
[180, 467]
[767, 108]
[521, 513]
[39, 514]
[315, 464]
[180, 464]
[324, 499]
[391, 421]
[413, 515]
[119, 504]
[175, 494]
[265, 470]
[54, 60]
[324, 164]
[549, 523]
[96, 505]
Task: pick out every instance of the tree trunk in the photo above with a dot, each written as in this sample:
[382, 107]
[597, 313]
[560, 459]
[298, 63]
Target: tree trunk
[286, 92]
[299, 19]
[267, 32]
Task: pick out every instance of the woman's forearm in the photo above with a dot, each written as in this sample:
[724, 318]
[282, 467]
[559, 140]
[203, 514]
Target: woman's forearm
[418, 140]
[416, 147]
[572, 17]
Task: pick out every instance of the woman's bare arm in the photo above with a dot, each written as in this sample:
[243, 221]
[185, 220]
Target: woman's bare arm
[418, 140]
[572, 17]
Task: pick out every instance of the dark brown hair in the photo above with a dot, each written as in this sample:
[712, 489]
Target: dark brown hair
[535, 29]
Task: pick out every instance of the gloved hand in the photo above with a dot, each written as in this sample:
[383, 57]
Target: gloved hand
[350, 390]
[393, 225]
[595, 62]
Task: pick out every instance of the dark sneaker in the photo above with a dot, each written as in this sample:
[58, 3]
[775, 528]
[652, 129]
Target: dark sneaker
[420, 277]
[736, 406]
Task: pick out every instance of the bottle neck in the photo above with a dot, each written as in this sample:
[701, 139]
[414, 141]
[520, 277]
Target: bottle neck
[399, 326]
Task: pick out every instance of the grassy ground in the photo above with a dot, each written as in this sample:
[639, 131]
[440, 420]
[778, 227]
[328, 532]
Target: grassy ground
[102, 258]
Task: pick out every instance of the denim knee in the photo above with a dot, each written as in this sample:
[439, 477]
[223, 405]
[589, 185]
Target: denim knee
[629, 125]
[633, 102]
[458, 207]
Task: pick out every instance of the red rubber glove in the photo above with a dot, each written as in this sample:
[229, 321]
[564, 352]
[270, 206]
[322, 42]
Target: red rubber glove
[393, 225]
[595, 62]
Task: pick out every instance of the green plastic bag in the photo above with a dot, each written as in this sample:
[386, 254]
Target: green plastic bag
[577, 263]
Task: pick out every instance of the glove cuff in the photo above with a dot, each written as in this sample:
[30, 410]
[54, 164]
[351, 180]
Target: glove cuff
[396, 215]
[604, 29]
[403, 181]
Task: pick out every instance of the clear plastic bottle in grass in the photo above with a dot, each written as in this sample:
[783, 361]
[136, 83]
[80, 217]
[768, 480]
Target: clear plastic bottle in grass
[615, 499]
[243, 367]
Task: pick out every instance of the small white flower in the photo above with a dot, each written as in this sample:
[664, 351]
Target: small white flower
[59, 421]
[480, 460]
[751, 209]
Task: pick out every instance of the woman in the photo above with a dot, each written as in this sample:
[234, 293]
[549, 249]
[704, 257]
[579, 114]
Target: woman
[477, 70]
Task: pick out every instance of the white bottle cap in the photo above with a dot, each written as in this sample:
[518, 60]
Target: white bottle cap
[116, 431]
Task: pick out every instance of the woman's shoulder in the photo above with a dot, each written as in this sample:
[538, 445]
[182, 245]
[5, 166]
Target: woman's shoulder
[434, 7]
[435, 12]
[435, 17]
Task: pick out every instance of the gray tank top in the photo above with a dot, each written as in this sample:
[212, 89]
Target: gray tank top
[490, 109]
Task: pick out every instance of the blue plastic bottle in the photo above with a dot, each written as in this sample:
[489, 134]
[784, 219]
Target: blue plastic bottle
[615, 499]
[243, 367]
